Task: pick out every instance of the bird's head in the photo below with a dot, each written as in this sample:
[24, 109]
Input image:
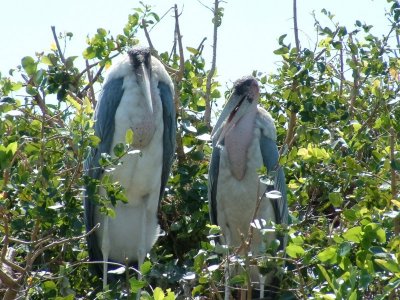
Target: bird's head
[245, 95]
[140, 58]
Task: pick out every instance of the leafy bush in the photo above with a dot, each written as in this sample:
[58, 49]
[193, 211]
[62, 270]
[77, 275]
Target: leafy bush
[336, 111]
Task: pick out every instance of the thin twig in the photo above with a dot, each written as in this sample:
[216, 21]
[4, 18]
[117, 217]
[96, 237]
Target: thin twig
[178, 35]
[61, 242]
[90, 77]
[96, 63]
[341, 70]
[53, 29]
[178, 78]
[90, 85]
[293, 115]
[146, 33]
[154, 53]
[296, 28]
[207, 112]
[356, 79]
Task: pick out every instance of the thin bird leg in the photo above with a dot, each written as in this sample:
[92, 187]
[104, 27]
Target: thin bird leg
[227, 290]
[262, 286]
[105, 249]
[142, 245]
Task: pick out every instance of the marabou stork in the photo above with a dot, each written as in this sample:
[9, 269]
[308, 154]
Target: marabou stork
[137, 94]
[244, 140]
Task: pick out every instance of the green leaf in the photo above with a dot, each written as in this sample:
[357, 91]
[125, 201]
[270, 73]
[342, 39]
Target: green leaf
[29, 65]
[281, 38]
[145, 268]
[192, 50]
[344, 249]
[281, 51]
[328, 255]
[158, 294]
[237, 280]
[136, 284]
[353, 295]
[395, 164]
[335, 199]
[49, 285]
[38, 77]
[129, 136]
[12, 148]
[389, 265]
[326, 276]
[119, 150]
[102, 32]
[69, 62]
[89, 53]
[170, 295]
[295, 251]
[353, 234]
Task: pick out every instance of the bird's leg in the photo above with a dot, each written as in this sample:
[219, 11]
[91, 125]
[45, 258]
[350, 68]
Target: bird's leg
[142, 244]
[262, 286]
[227, 242]
[105, 249]
[227, 290]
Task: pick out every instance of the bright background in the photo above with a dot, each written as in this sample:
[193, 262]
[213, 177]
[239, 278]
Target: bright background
[246, 39]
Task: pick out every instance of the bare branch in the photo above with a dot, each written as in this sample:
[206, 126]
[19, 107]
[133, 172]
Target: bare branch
[207, 112]
[61, 242]
[293, 115]
[90, 77]
[53, 29]
[356, 82]
[296, 28]
[146, 33]
[178, 36]
[178, 78]
[90, 85]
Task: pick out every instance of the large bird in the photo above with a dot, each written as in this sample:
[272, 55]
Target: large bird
[137, 95]
[244, 140]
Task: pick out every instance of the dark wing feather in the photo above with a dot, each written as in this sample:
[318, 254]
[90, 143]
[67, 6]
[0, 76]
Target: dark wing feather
[107, 105]
[270, 154]
[213, 172]
[169, 136]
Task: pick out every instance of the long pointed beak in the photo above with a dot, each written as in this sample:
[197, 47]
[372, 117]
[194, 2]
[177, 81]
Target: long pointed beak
[235, 108]
[144, 82]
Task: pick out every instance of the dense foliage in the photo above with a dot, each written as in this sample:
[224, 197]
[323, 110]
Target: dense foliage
[336, 109]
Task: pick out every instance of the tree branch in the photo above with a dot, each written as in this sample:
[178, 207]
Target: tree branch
[146, 33]
[91, 90]
[296, 28]
[178, 78]
[356, 79]
[178, 36]
[293, 115]
[207, 112]
[61, 242]
[53, 29]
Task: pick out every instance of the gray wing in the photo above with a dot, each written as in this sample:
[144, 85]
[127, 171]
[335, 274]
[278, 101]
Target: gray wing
[107, 105]
[270, 154]
[213, 172]
[169, 135]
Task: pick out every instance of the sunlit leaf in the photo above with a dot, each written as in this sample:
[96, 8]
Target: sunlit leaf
[353, 234]
[295, 251]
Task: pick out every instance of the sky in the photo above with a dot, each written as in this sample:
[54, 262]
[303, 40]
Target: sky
[246, 39]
